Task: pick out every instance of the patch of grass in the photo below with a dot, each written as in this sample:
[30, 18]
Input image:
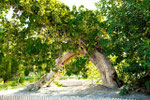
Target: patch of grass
[20, 82]
[71, 77]
[56, 83]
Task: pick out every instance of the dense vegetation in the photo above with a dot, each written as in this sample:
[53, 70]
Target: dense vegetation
[40, 29]
[128, 24]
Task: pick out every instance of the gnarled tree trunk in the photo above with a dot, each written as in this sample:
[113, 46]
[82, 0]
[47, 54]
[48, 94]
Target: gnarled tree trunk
[38, 84]
[102, 62]
[108, 73]
[60, 61]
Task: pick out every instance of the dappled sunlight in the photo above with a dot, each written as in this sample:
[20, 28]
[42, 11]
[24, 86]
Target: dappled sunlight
[60, 48]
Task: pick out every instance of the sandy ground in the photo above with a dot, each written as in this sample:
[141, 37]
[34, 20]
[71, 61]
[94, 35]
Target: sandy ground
[78, 89]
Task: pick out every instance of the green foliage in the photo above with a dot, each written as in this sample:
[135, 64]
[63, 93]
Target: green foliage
[43, 28]
[19, 82]
[147, 84]
[40, 29]
[77, 67]
[26, 72]
[82, 66]
[56, 83]
[9, 67]
[124, 91]
[127, 23]
[93, 73]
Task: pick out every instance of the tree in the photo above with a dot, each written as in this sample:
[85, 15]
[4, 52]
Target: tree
[48, 27]
[9, 60]
[128, 25]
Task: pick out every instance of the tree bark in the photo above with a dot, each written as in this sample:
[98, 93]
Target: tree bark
[60, 61]
[38, 84]
[102, 62]
[108, 74]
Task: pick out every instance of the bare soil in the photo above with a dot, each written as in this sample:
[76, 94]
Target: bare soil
[77, 88]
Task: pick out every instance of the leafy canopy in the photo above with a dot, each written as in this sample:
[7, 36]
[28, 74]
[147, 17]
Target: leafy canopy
[40, 29]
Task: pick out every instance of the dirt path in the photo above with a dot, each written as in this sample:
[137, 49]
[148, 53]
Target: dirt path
[74, 89]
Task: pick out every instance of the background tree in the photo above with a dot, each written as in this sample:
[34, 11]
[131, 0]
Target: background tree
[128, 25]
[9, 59]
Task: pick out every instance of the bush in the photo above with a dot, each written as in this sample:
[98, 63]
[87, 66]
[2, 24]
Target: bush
[124, 91]
[93, 73]
[26, 72]
[21, 80]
